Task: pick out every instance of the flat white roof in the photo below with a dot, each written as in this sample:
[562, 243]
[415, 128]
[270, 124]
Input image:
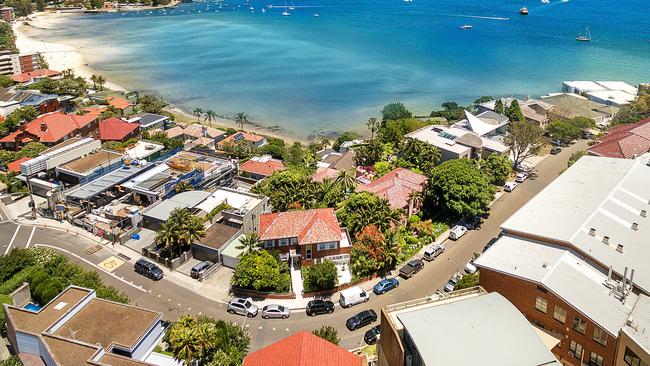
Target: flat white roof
[618, 97]
[488, 325]
[619, 85]
[585, 86]
[143, 149]
[605, 194]
[638, 327]
[238, 200]
[563, 273]
[433, 137]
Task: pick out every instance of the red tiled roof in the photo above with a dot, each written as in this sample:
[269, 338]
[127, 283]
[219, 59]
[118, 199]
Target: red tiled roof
[119, 103]
[14, 166]
[396, 186]
[29, 76]
[95, 111]
[324, 173]
[57, 125]
[265, 167]
[114, 129]
[302, 349]
[624, 141]
[309, 226]
[242, 135]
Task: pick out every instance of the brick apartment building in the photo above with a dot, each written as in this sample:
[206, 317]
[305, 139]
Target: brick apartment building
[574, 261]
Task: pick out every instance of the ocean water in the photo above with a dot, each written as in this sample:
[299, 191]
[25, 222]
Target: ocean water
[306, 74]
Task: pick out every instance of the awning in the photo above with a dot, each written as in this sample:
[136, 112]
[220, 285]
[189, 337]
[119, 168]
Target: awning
[550, 341]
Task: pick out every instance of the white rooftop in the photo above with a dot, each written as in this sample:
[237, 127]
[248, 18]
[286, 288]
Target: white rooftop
[238, 200]
[478, 126]
[638, 327]
[564, 274]
[613, 97]
[143, 149]
[488, 325]
[606, 194]
[584, 86]
[429, 135]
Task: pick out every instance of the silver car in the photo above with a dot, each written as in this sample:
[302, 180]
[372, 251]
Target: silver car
[275, 311]
[239, 305]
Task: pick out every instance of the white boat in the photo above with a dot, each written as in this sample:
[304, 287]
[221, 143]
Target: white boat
[586, 37]
[546, 1]
[316, 15]
[263, 10]
[466, 27]
[286, 13]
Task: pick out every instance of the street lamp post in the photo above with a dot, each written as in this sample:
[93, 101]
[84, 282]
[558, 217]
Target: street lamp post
[454, 262]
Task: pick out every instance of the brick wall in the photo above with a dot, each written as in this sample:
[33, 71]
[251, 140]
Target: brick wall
[523, 294]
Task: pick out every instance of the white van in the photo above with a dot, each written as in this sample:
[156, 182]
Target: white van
[456, 232]
[352, 296]
[432, 251]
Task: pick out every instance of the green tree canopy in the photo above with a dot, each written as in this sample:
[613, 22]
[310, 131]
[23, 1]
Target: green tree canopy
[497, 168]
[5, 81]
[459, 188]
[498, 107]
[344, 137]
[151, 104]
[451, 111]
[321, 276]
[261, 271]
[467, 281]
[328, 333]
[524, 140]
[562, 131]
[394, 111]
[417, 154]
[364, 208]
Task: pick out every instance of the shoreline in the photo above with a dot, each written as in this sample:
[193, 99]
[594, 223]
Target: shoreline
[60, 56]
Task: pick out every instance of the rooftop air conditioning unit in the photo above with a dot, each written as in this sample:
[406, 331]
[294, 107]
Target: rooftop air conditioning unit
[592, 231]
[635, 226]
[606, 239]
[619, 248]
[644, 213]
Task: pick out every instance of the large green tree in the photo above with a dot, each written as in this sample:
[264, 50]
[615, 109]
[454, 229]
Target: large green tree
[514, 112]
[497, 168]
[524, 140]
[261, 271]
[394, 111]
[179, 231]
[417, 154]
[344, 137]
[321, 276]
[328, 333]
[362, 209]
[459, 188]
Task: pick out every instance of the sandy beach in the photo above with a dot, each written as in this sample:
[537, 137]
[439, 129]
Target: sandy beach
[63, 56]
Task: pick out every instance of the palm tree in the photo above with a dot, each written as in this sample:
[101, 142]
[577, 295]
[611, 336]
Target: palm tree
[206, 340]
[100, 82]
[93, 78]
[168, 236]
[184, 345]
[373, 126]
[392, 248]
[183, 186]
[250, 243]
[209, 116]
[67, 73]
[240, 119]
[347, 180]
[197, 112]
[415, 200]
[192, 230]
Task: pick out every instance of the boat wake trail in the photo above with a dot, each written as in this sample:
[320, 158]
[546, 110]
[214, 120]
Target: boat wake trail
[475, 16]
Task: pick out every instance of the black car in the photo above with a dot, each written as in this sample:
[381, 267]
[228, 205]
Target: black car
[371, 335]
[472, 222]
[361, 319]
[317, 307]
[411, 268]
[148, 269]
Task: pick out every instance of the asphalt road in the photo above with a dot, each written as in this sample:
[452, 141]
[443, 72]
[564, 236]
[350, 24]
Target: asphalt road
[175, 300]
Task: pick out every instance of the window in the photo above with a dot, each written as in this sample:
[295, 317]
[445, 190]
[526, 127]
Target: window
[326, 246]
[541, 304]
[632, 359]
[269, 244]
[579, 325]
[294, 241]
[284, 242]
[559, 314]
[600, 336]
[595, 359]
[576, 349]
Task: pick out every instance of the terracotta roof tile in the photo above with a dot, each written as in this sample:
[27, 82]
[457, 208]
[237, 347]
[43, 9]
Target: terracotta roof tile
[56, 126]
[241, 135]
[14, 166]
[114, 129]
[29, 76]
[624, 141]
[302, 349]
[118, 102]
[264, 167]
[324, 173]
[396, 186]
[309, 226]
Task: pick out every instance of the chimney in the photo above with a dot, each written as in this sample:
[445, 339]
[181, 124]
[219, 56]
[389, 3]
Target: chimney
[632, 278]
[606, 239]
[609, 274]
[592, 231]
[635, 226]
[644, 213]
[43, 126]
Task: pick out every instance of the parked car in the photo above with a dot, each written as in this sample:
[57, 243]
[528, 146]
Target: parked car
[241, 306]
[523, 167]
[432, 252]
[352, 296]
[411, 268]
[472, 222]
[470, 267]
[385, 285]
[316, 307]
[275, 311]
[371, 335]
[449, 287]
[457, 231]
[557, 143]
[148, 269]
[196, 271]
[556, 150]
[510, 186]
[521, 177]
[361, 319]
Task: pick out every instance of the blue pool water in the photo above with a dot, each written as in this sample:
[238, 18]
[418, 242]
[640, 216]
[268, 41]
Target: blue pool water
[33, 307]
[307, 74]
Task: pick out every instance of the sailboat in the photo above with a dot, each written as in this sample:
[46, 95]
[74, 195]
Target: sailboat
[285, 12]
[586, 37]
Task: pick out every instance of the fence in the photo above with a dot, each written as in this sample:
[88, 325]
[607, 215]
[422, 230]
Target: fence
[242, 292]
[209, 272]
[172, 264]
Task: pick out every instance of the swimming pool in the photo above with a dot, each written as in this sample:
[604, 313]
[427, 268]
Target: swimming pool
[33, 307]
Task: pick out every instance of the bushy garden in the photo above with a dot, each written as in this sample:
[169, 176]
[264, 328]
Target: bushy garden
[320, 277]
[263, 271]
[177, 234]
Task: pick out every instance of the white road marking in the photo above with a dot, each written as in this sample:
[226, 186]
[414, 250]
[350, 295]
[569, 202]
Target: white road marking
[29, 241]
[12, 239]
[92, 264]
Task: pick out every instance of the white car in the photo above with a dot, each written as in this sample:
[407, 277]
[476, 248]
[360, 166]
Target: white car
[457, 231]
[470, 267]
[510, 186]
[521, 177]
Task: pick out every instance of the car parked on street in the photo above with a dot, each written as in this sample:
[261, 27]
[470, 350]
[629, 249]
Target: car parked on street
[317, 307]
[371, 335]
[352, 296]
[521, 177]
[556, 150]
[385, 285]
[361, 319]
[432, 252]
[510, 186]
[196, 271]
[148, 269]
[275, 311]
[472, 222]
[241, 306]
[470, 267]
[457, 231]
[411, 268]
[451, 284]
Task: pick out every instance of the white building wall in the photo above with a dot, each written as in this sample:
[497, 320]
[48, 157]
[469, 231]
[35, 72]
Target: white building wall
[145, 347]
[28, 343]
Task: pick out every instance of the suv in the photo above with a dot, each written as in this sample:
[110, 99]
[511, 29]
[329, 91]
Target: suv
[556, 150]
[521, 177]
[371, 335]
[456, 232]
[316, 307]
[361, 319]
[411, 268]
[196, 271]
[451, 284]
[239, 305]
[148, 269]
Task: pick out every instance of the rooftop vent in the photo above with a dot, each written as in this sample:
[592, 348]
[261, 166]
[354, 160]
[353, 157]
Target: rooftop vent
[635, 226]
[592, 231]
[644, 213]
[545, 264]
[619, 248]
[606, 239]
[60, 305]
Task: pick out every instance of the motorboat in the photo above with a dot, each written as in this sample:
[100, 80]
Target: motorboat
[523, 11]
[466, 27]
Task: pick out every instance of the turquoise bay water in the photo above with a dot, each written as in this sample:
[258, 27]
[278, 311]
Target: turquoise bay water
[310, 74]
